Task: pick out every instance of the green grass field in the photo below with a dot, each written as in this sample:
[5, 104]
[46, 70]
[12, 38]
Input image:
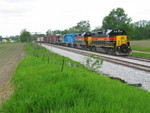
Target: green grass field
[41, 87]
[141, 48]
[143, 55]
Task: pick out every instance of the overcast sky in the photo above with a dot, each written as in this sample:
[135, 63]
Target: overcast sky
[41, 15]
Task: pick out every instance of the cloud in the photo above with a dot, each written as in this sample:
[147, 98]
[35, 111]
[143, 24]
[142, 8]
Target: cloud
[41, 15]
[17, 1]
[14, 7]
[12, 0]
[12, 11]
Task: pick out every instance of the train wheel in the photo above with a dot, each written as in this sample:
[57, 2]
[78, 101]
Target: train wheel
[82, 47]
[90, 48]
[93, 48]
[110, 51]
[75, 46]
[85, 47]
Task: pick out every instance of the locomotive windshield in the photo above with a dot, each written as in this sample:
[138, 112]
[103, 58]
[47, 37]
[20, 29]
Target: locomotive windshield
[86, 34]
[117, 32]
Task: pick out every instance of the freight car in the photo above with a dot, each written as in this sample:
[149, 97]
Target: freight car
[40, 39]
[53, 39]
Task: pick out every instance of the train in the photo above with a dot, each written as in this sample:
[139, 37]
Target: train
[114, 41]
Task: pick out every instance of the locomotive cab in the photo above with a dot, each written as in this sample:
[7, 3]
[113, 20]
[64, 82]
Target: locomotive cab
[121, 43]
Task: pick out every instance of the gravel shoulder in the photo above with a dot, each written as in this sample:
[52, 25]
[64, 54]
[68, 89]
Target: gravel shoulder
[10, 56]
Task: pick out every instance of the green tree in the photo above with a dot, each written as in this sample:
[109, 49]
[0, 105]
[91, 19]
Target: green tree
[57, 32]
[141, 30]
[66, 31]
[117, 19]
[97, 28]
[73, 29]
[36, 35]
[49, 32]
[142, 23]
[0, 39]
[83, 26]
[15, 38]
[25, 36]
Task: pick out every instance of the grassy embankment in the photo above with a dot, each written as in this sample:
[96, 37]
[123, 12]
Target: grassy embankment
[143, 55]
[41, 87]
[141, 46]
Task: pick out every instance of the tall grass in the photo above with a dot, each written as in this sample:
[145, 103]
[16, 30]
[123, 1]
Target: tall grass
[41, 87]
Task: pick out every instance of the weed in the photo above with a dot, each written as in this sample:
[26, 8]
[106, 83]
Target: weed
[93, 63]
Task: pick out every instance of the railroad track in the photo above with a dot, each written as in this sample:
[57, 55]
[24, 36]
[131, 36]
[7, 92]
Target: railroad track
[137, 58]
[125, 61]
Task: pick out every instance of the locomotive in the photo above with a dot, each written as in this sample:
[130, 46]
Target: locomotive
[105, 41]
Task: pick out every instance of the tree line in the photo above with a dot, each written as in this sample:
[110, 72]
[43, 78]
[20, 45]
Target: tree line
[116, 19]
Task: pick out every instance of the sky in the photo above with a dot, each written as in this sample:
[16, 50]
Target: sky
[42, 15]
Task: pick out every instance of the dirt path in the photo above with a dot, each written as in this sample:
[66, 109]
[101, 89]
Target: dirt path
[141, 43]
[141, 52]
[10, 55]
